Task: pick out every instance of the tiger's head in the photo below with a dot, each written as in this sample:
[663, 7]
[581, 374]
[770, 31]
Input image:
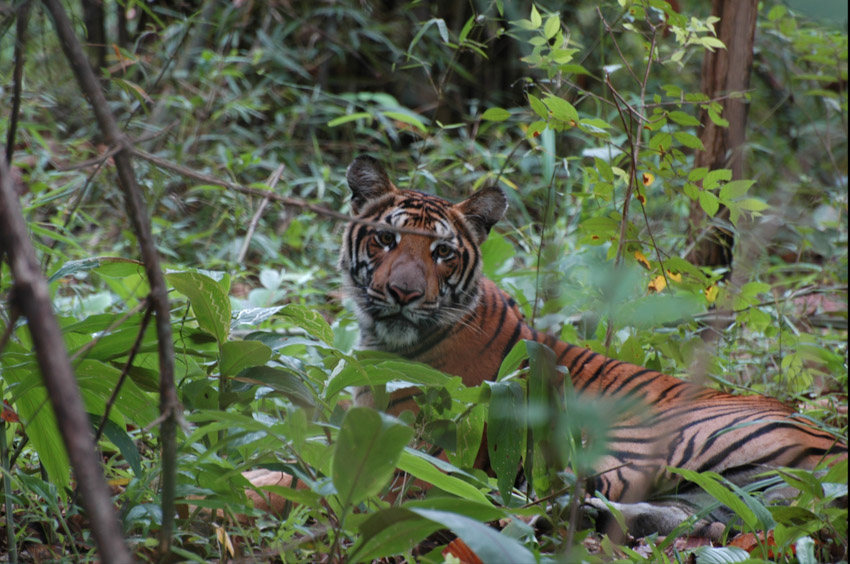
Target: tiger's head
[407, 285]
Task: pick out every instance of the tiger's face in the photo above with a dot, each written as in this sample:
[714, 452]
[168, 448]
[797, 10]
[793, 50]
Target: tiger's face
[406, 285]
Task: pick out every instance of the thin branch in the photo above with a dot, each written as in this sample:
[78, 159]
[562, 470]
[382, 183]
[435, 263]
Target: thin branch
[169, 404]
[32, 297]
[271, 183]
[23, 17]
[283, 200]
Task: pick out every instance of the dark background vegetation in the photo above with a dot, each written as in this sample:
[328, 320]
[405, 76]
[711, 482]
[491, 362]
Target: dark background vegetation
[283, 94]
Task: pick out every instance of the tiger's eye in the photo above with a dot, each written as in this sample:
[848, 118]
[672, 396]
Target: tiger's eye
[443, 251]
[385, 238]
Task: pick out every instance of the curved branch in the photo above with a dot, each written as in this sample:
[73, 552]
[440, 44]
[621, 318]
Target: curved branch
[169, 405]
[31, 297]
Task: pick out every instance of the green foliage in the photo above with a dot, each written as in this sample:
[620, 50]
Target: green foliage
[571, 120]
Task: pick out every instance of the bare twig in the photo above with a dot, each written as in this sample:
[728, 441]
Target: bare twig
[23, 17]
[271, 182]
[32, 297]
[283, 200]
[169, 404]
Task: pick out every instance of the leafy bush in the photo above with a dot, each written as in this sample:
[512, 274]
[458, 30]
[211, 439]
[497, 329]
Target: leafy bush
[580, 124]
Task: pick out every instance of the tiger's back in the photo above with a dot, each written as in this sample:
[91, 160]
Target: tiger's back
[419, 292]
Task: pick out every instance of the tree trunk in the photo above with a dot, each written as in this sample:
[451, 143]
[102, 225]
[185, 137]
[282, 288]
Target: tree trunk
[724, 71]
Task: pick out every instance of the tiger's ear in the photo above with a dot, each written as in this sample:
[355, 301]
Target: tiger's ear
[368, 181]
[482, 210]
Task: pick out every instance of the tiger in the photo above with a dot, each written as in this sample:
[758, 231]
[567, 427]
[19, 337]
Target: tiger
[411, 263]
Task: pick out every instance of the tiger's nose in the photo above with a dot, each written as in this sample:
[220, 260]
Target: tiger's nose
[404, 295]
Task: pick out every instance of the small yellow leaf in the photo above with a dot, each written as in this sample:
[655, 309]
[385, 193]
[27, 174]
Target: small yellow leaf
[224, 540]
[711, 293]
[675, 277]
[647, 179]
[658, 283]
[641, 259]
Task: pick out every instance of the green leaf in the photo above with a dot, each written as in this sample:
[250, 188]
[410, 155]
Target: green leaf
[281, 380]
[752, 204]
[36, 414]
[376, 372]
[512, 362]
[709, 203]
[406, 118]
[735, 189]
[390, 532]
[495, 114]
[711, 482]
[713, 178]
[369, 446]
[486, 542]
[113, 267]
[427, 468]
[682, 118]
[538, 107]
[561, 109]
[119, 437]
[209, 302]
[310, 320]
[470, 429]
[467, 27]
[347, 118]
[536, 20]
[238, 355]
[553, 24]
[506, 433]
[688, 140]
[721, 555]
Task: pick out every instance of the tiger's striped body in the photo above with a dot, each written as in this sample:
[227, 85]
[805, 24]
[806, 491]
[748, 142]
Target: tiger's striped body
[424, 297]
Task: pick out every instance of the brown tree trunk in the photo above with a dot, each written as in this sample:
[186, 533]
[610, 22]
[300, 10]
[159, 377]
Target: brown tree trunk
[95, 32]
[724, 71]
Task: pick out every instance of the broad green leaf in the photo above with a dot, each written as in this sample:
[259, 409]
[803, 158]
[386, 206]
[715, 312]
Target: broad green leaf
[752, 204]
[473, 509]
[209, 302]
[721, 555]
[713, 178]
[114, 267]
[281, 380]
[470, 429]
[561, 109]
[419, 466]
[506, 433]
[253, 316]
[238, 355]
[682, 118]
[37, 416]
[120, 438]
[310, 320]
[301, 497]
[347, 118]
[368, 448]
[553, 25]
[512, 362]
[101, 380]
[709, 203]
[711, 482]
[390, 532]
[496, 114]
[538, 107]
[376, 372]
[688, 140]
[735, 189]
[535, 18]
[491, 546]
